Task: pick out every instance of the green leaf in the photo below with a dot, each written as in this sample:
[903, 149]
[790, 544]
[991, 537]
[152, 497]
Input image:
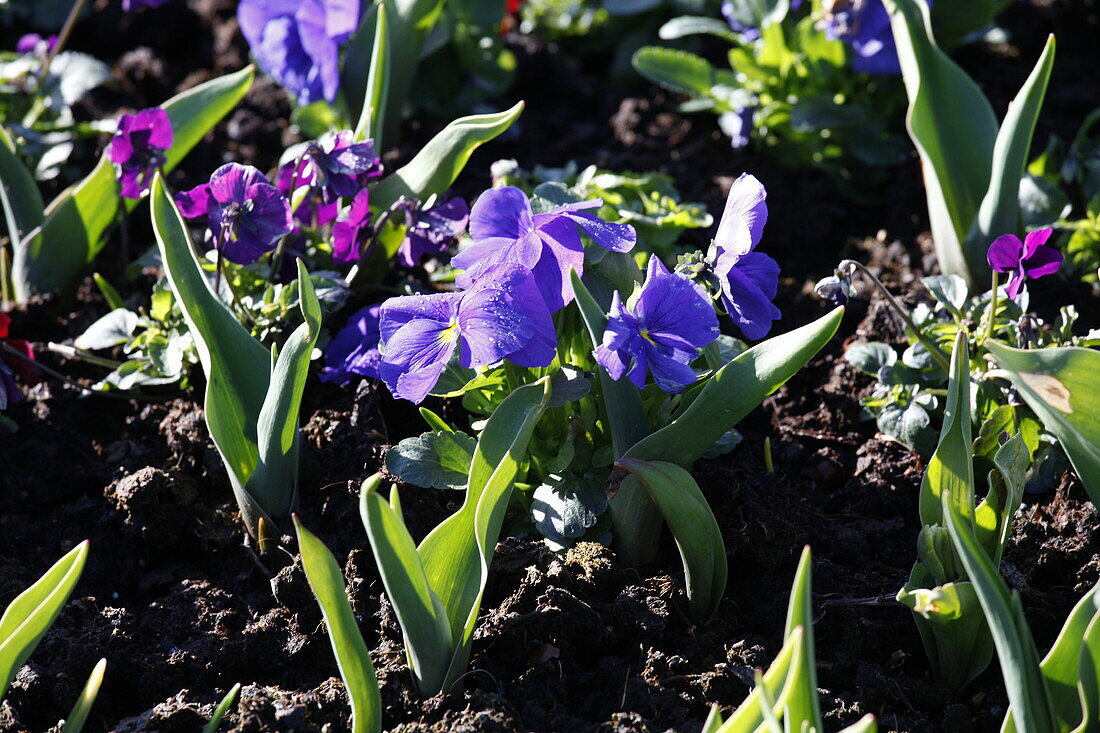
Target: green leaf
[954, 129]
[79, 220]
[694, 527]
[372, 119]
[712, 408]
[432, 171]
[1000, 208]
[456, 553]
[870, 357]
[237, 366]
[79, 714]
[678, 71]
[993, 517]
[326, 579]
[438, 460]
[33, 611]
[1027, 692]
[223, 709]
[23, 207]
[804, 705]
[110, 294]
[692, 25]
[1062, 386]
[952, 627]
[429, 644]
[1062, 666]
[951, 468]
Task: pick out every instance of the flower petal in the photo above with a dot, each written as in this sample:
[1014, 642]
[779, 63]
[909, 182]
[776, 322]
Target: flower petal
[615, 237]
[743, 220]
[1005, 254]
[501, 213]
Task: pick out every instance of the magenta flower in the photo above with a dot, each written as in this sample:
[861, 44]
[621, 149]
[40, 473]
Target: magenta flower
[298, 42]
[749, 280]
[500, 317]
[352, 230]
[429, 230]
[33, 43]
[1030, 258]
[659, 330]
[505, 229]
[137, 149]
[312, 211]
[354, 350]
[246, 214]
[338, 167]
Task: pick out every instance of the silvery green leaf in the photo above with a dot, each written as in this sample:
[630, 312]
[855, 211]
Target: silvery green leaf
[1042, 202]
[918, 357]
[898, 375]
[111, 330]
[439, 460]
[723, 350]
[566, 506]
[871, 357]
[730, 440]
[550, 195]
[950, 290]
[569, 384]
[910, 425]
[77, 74]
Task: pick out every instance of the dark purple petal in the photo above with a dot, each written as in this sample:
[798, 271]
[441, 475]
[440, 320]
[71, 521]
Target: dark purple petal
[354, 350]
[1015, 283]
[194, 203]
[419, 335]
[674, 311]
[743, 220]
[748, 305]
[671, 373]
[348, 234]
[503, 316]
[1006, 253]
[1045, 261]
[615, 237]
[121, 147]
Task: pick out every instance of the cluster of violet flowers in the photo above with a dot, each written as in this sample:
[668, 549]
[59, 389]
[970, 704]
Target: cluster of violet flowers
[516, 275]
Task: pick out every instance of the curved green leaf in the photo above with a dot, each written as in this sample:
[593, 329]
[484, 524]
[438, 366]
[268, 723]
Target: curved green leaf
[326, 579]
[22, 202]
[1062, 386]
[951, 467]
[27, 619]
[432, 171]
[372, 118]
[694, 527]
[693, 25]
[223, 709]
[676, 70]
[79, 714]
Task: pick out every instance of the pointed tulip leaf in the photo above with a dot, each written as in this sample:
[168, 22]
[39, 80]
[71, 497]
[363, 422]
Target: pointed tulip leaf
[326, 580]
[223, 709]
[79, 714]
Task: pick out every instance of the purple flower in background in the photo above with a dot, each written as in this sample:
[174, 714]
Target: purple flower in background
[865, 26]
[1030, 258]
[137, 149]
[743, 26]
[245, 213]
[354, 350]
[749, 280]
[298, 42]
[32, 43]
[505, 229]
[738, 126]
[352, 230]
[337, 166]
[659, 330]
[129, 5]
[500, 317]
[429, 230]
[312, 211]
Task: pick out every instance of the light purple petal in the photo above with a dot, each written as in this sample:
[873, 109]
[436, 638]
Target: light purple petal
[501, 213]
[743, 220]
[615, 237]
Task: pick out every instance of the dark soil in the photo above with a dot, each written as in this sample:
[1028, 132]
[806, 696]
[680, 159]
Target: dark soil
[574, 642]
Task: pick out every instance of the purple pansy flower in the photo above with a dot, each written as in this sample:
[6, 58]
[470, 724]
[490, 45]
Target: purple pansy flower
[137, 149]
[659, 330]
[500, 317]
[33, 43]
[865, 26]
[129, 5]
[505, 229]
[245, 213]
[298, 42]
[429, 230]
[352, 230]
[1030, 258]
[738, 25]
[749, 280]
[312, 211]
[354, 350]
[336, 166]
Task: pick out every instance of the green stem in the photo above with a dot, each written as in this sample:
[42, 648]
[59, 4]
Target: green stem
[933, 350]
[993, 305]
[5, 276]
[61, 377]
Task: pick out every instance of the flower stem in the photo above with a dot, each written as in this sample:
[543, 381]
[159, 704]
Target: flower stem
[62, 39]
[933, 350]
[72, 383]
[5, 276]
[993, 305]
